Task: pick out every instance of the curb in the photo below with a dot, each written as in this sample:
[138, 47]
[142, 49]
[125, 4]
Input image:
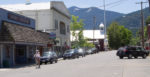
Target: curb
[60, 59]
[1, 70]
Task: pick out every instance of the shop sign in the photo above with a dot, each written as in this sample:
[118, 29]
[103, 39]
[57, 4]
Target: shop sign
[52, 35]
[18, 18]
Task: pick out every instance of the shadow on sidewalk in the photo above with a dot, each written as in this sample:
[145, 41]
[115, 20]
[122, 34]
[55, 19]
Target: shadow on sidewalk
[23, 65]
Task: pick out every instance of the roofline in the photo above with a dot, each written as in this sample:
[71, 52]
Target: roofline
[53, 8]
[17, 24]
[16, 13]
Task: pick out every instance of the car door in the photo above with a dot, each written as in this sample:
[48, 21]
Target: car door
[140, 51]
[133, 51]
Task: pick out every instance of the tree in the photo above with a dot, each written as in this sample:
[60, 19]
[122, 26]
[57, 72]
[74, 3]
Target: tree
[77, 33]
[118, 35]
[147, 21]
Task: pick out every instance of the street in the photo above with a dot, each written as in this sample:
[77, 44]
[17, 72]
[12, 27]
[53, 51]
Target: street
[103, 64]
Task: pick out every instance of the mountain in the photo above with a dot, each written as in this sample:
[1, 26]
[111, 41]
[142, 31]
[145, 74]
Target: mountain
[132, 20]
[87, 15]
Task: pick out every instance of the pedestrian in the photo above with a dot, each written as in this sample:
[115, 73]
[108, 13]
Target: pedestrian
[37, 58]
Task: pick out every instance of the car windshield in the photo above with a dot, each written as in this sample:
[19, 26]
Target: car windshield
[70, 51]
[47, 53]
[121, 48]
[93, 48]
[80, 50]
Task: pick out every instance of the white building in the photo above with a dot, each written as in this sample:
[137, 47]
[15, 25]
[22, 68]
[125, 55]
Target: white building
[89, 35]
[50, 17]
[92, 34]
[98, 36]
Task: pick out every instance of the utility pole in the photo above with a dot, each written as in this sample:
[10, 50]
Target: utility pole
[104, 20]
[94, 22]
[105, 34]
[142, 22]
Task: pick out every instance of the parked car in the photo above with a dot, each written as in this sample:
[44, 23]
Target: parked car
[89, 51]
[81, 52]
[49, 56]
[93, 50]
[70, 54]
[132, 51]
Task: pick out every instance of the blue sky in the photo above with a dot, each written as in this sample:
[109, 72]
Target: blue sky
[123, 6]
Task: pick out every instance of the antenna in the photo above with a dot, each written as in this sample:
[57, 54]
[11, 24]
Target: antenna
[28, 2]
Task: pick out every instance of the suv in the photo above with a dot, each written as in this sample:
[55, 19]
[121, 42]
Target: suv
[132, 51]
[49, 56]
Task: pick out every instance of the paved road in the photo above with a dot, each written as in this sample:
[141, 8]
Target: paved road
[103, 64]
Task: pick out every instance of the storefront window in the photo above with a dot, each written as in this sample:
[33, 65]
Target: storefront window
[8, 51]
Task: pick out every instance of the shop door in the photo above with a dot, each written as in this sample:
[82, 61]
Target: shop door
[20, 54]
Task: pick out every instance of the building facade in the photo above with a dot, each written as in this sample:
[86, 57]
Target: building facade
[50, 17]
[19, 39]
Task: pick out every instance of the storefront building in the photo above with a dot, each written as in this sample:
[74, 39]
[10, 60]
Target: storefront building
[19, 39]
[53, 17]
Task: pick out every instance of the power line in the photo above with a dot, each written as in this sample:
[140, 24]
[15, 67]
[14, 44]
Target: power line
[109, 4]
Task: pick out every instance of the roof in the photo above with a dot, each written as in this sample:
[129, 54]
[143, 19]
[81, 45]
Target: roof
[59, 5]
[33, 6]
[89, 34]
[25, 34]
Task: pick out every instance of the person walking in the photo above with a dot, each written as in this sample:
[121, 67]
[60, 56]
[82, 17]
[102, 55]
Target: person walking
[37, 58]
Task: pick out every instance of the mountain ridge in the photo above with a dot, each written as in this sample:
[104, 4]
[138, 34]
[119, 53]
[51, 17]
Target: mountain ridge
[87, 15]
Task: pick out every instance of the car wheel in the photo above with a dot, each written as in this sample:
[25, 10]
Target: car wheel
[64, 58]
[55, 61]
[135, 56]
[121, 57]
[144, 56]
[40, 63]
[130, 56]
[77, 56]
[45, 62]
[51, 62]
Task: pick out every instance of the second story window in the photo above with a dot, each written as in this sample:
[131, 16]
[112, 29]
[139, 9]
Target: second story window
[62, 28]
[56, 24]
[68, 29]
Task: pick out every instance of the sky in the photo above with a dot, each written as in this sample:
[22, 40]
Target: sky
[122, 6]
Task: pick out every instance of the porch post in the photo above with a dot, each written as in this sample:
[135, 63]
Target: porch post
[27, 53]
[1, 55]
[14, 63]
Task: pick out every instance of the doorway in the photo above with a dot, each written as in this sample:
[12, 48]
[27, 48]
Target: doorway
[20, 54]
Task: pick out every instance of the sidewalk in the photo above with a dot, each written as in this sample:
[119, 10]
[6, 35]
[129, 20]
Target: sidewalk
[4, 69]
[22, 66]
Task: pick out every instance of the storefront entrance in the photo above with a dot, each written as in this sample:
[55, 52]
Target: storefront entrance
[20, 54]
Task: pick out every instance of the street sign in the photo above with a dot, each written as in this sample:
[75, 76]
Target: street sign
[52, 35]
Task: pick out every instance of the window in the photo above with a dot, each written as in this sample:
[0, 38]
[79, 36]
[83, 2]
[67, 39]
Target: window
[101, 28]
[68, 29]
[56, 24]
[62, 28]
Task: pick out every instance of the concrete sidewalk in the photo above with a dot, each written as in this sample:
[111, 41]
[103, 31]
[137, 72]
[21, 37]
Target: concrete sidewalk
[4, 69]
[22, 66]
